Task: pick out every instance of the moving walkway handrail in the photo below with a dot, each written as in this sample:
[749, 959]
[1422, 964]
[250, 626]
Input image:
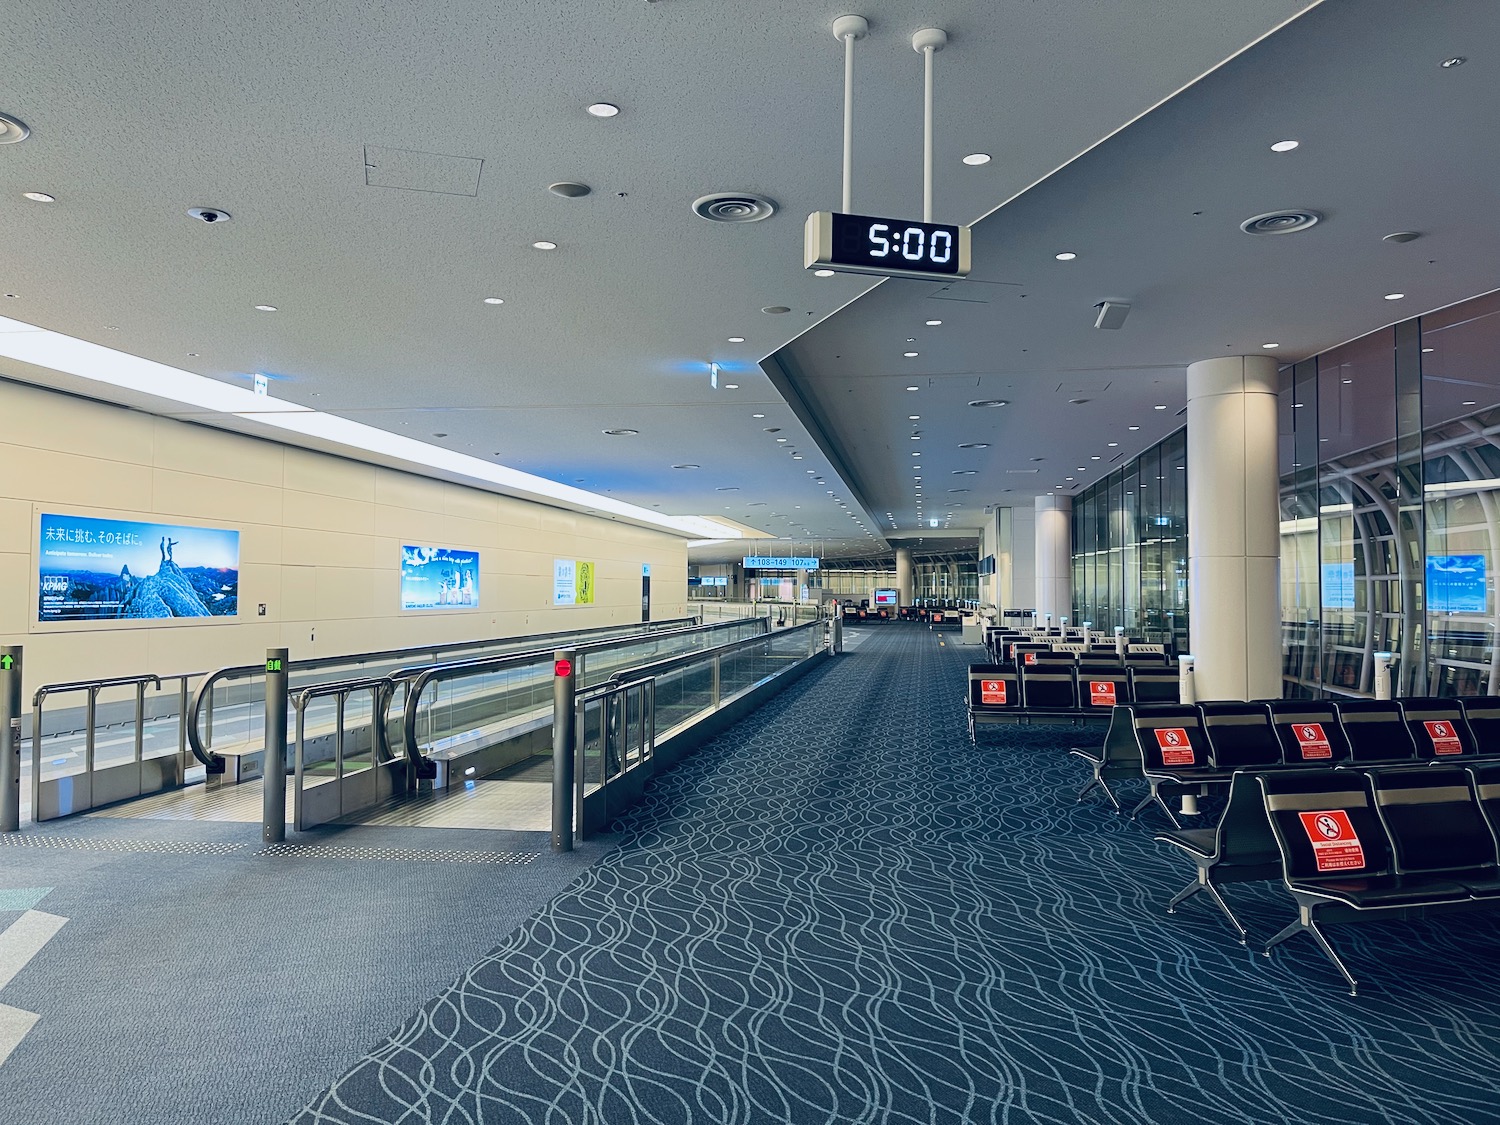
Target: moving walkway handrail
[437, 673]
[658, 668]
[206, 686]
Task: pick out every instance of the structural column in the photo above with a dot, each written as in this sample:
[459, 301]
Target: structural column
[1234, 542]
[1054, 557]
[903, 575]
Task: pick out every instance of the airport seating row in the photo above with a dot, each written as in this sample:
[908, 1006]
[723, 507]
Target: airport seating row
[1179, 748]
[1007, 648]
[1354, 845]
[1082, 690]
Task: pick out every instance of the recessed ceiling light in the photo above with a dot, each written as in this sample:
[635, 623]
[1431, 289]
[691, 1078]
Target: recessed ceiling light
[1158, 408]
[974, 445]
[1284, 146]
[910, 355]
[822, 273]
[265, 308]
[1113, 444]
[781, 439]
[1065, 256]
[39, 197]
[965, 472]
[1134, 427]
[1424, 350]
[776, 310]
[731, 386]
[687, 466]
[494, 300]
[757, 415]
[914, 417]
[736, 339]
[604, 109]
[621, 432]
[1270, 345]
[1449, 64]
[1096, 458]
[543, 244]
[933, 323]
[1469, 402]
[1394, 296]
[975, 159]
[911, 388]
[796, 456]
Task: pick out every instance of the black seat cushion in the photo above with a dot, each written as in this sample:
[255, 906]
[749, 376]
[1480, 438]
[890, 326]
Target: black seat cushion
[1199, 841]
[1384, 890]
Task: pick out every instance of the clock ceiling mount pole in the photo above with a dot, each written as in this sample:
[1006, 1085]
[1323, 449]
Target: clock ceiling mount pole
[927, 42]
[847, 29]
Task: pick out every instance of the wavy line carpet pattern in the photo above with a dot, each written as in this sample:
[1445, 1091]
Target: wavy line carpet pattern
[840, 911]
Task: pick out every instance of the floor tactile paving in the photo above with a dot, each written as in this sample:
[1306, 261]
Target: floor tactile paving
[400, 855]
[86, 844]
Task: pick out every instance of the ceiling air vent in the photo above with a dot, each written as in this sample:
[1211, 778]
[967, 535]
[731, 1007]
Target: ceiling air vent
[734, 207]
[1281, 222]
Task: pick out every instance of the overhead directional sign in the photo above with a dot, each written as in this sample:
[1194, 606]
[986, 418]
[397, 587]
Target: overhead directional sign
[778, 562]
[885, 247]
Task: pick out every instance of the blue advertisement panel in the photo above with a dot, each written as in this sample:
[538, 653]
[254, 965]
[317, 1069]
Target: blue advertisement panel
[1455, 584]
[1338, 585]
[108, 570]
[439, 578]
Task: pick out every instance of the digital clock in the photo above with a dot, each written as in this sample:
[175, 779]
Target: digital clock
[885, 247]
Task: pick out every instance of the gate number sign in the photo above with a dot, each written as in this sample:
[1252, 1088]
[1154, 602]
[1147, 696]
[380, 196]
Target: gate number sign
[1334, 843]
[1176, 749]
[1444, 738]
[1312, 741]
[992, 691]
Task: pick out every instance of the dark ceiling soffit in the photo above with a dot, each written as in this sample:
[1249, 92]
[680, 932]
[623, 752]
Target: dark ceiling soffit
[785, 376]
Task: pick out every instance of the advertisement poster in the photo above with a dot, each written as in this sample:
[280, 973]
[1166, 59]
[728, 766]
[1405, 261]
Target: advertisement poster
[1338, 585]
[439, 578]
[110, 570]
[1455, 584]
[572, 582]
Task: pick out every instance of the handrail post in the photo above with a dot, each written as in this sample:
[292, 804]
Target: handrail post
[718, 688]
[564, 696]
[10, 738]
[140, 723]
[273, 767]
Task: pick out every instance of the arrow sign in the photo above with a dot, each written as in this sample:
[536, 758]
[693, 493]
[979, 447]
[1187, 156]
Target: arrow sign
[7, 662]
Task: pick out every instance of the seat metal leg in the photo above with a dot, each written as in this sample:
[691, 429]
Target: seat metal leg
[1292, 930]
[1213, 893]
[1108, 792]
[1322, 941]
[1088, 788]
[1183, 895]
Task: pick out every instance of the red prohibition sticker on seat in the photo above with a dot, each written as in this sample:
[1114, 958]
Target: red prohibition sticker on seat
[992, 691]
[1312, 741]
[1029, 657]
[1176, 750]
[1444, 738]
[1334, 843]
[1102, 693]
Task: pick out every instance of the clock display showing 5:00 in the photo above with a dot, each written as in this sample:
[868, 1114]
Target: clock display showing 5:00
[889, 247]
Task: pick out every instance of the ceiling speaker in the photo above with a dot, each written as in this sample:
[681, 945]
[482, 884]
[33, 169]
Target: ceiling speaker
[1112, 314]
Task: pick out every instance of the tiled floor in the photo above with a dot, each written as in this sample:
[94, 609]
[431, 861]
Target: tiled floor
[238, 804]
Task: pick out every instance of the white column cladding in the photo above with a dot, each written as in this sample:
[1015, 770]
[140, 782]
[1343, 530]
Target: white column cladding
[1054, 558]
[903, 575]
[1234, 541]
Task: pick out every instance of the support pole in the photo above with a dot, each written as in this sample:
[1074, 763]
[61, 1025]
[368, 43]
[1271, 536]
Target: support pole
[847, 29]
[273, 767]
[10, 738]
[928, 42]
[564, 693]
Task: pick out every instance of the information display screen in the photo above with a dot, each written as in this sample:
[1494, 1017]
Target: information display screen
[886, 597]
[102, 569]
[439, 578]
[1455, 584]
[888, 247]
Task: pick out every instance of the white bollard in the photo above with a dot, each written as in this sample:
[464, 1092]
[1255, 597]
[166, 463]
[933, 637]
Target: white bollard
[1187, 690]
[1120, 641]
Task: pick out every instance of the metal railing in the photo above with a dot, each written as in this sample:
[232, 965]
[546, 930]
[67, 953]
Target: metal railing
[618, 723]
[72, 777]
[325, 787]
[242, 686]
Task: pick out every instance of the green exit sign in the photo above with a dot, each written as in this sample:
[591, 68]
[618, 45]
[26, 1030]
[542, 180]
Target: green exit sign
[7, 662]
[274, 664]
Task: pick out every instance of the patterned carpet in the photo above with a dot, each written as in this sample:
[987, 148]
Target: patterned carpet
[841, 912]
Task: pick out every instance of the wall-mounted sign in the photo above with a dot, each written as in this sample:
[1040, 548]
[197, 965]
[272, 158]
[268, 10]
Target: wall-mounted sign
[102, 570]
[778, 562]
[439, 578]
[1338, 585]
[572, 582]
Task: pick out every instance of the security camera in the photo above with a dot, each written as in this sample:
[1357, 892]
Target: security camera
[210, 214]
